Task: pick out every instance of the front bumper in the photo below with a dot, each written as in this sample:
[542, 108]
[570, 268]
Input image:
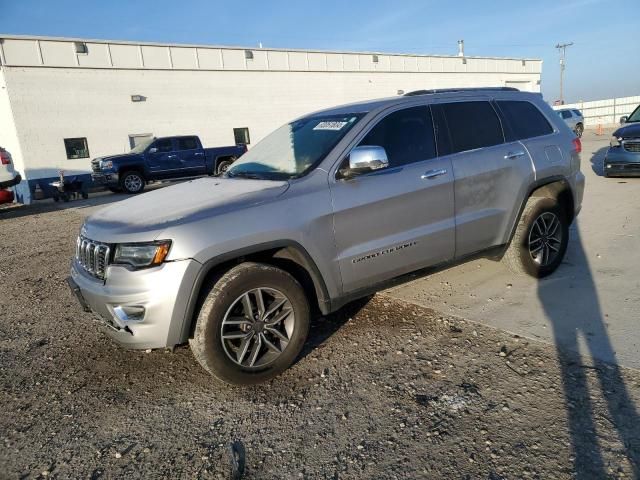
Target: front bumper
[107, 179]
[11, 183]
[163, 292]
[620, 162]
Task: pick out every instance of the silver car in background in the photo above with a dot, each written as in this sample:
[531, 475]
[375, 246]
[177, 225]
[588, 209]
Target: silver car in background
[573, 118]
[327, 209]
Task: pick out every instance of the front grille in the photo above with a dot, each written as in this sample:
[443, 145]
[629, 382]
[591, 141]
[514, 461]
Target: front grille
[633, 147]
[92, 256]
[95, 166]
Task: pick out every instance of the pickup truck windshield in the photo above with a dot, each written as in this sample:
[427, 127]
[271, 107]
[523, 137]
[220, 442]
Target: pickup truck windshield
[295, 148]
[144, 143]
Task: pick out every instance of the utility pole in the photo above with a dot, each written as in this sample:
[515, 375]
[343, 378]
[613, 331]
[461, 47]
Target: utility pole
[562, 48]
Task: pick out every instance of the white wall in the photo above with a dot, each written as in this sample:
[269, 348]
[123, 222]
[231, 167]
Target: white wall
[56, 93]
[604, 112]
[8, 134]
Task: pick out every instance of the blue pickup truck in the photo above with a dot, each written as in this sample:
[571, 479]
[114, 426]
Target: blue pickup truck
[162, 159]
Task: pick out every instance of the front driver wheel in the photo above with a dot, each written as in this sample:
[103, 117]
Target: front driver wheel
[132, 182]
[541, 238]
[252, 324]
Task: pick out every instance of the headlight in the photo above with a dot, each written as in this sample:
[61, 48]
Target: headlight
[106, 164]
[615, 141]
[141, 255]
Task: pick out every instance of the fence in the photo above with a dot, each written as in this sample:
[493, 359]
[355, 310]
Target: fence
[604, 112]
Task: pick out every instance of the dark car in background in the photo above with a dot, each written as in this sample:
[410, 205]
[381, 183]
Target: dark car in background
[623, 156]
[163, 158]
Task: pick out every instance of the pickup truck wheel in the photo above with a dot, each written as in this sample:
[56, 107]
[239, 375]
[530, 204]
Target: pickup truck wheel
[252, 325]
[224, 165]
[132, 182]
[541, 239]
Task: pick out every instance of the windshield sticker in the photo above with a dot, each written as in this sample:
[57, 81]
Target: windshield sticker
[330, 126]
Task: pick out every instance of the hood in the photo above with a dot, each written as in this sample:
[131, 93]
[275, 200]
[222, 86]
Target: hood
[143, 217]
[628, 130]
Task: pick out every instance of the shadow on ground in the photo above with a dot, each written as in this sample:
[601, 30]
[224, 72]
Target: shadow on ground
[586, 322]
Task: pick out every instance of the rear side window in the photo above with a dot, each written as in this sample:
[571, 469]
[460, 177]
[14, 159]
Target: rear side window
[187, 143]
[524, 118]
[577, 113]
[565, 114]
[406, 135]
[472, 125]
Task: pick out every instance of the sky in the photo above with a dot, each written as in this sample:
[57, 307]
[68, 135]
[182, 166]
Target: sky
[602, 63]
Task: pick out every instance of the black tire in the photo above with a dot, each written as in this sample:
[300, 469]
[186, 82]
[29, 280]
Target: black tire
[519, 257]
[579, 130]
[220, 299]
[223, 165]
[132, 182]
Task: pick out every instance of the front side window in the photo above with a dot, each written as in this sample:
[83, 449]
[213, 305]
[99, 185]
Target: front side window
[187, 143]
[525, 119]
[295, 148]
[472, 125]
[164, 145]
[406, 135]
[76, 148]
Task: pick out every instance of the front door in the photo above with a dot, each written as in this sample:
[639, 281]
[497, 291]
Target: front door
[163, 162]
[392, 221]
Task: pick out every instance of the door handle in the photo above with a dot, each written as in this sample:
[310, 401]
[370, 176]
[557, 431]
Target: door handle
[428, 175]
[199, 153]
[512, 155]
[171, 156]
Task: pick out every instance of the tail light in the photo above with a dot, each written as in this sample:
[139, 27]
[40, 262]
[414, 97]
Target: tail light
[577, 145]
[5, 158]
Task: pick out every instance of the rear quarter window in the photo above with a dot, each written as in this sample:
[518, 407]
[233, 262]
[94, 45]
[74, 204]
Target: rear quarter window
[524, 118]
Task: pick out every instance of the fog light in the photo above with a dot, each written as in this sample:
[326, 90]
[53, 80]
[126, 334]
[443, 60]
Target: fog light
[128, 313]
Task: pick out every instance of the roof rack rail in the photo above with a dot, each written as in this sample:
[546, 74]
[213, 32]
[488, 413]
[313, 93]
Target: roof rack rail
[470, 89]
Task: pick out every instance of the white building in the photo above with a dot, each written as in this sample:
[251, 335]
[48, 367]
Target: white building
[102, 94]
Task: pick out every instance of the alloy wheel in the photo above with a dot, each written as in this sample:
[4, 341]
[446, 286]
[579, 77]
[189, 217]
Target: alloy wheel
[133, 183]
[257, 327]
[545, 239]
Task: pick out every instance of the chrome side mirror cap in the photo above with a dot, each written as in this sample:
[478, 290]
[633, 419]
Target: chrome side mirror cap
[623, 119]
[153, 150]
[367, 158]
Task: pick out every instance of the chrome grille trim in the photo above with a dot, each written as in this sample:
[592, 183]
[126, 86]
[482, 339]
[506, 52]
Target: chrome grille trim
[92, 256]
[633, 146]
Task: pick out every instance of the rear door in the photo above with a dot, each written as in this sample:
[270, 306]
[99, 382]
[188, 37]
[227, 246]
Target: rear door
[401, 218]
[491, 175]
[191, 156]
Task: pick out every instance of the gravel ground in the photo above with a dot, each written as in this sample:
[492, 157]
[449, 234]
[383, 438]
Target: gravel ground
[384, 390]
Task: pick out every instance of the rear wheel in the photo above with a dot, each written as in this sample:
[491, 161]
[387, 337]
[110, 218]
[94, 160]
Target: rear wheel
[252, 325]
[579, 130]
[541, 238]
[224, 165]
[132, 182]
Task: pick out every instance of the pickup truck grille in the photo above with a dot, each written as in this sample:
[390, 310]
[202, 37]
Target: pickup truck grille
[632, 146]
[92, 256]
[95, 165]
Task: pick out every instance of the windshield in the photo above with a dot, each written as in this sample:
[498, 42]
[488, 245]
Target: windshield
[635, 116]
[144, 143]
[295, 148]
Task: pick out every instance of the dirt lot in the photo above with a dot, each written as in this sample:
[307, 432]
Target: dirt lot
[384, 390]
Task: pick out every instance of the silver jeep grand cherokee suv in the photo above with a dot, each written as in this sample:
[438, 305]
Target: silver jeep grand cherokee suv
[324, 210]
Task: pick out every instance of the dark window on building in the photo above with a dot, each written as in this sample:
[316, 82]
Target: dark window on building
[525, 119]
[164, 145]
[472, 125]
[406, 135]
[565, 114]
[187, 143]
[81, 47]
[242, 136]
[76, 148]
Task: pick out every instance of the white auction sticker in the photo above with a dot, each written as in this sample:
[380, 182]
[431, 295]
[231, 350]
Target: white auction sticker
[330, 126]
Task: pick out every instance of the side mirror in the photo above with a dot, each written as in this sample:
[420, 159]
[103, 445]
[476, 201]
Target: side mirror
[367, 158]
[623, 119]
[153, 150]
